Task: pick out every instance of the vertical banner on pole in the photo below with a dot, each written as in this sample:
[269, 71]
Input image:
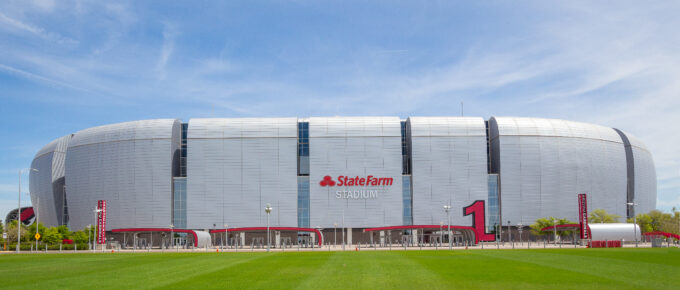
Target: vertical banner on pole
[583, 216]
[101, 222]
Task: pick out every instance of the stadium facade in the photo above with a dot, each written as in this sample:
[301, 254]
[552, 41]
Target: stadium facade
[360, 172]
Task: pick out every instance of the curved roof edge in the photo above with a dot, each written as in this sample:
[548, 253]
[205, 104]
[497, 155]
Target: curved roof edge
[142, 129]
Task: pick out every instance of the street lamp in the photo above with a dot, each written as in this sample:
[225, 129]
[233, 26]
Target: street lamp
[555, 230]
[519, 228]
[335, 235]
[268, 210]
[343, 229]
[447, 208]
[172, 236]
[634, 221]
[226, 234]
[19, 212]
[509, 233]
[441, 234]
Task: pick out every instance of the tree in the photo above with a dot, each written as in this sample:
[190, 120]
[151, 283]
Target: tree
[12, 232]
[540, 224]
[80, 237]
[599, 216]
[51, 236]
[548, 222]
[656, 220]
[32, 228]
[65, 232]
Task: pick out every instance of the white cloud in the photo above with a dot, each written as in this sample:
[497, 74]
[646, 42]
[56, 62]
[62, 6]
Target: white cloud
[35, 30]
[169, 34]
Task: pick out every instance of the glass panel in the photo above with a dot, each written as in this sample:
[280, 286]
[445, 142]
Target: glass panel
[492, 206]
[303, 201]
[406, 195]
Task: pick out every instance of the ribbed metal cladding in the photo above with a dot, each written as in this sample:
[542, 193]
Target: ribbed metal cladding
[236, 166]
[129, 165]
[546, 163]
[48, 183]
[449, 167]
[645, 175]
[355, 146]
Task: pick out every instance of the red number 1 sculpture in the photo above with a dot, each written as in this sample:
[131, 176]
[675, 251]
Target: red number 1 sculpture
[476, 209]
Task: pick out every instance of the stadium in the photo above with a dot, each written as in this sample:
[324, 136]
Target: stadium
[368, 175]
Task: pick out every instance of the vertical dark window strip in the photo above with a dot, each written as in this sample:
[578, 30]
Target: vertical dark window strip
[630, 168]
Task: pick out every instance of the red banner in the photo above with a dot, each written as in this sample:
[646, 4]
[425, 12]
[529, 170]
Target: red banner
[101, 222]
[583, 216]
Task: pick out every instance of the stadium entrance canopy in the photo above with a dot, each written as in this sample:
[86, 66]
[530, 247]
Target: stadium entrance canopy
[468, 232]
[281, 229]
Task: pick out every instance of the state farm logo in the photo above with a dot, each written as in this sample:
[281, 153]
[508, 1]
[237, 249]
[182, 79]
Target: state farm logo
[327, 181]
[356, 181]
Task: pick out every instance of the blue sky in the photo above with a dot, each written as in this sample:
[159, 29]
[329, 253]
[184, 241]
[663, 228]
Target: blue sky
[70, 65]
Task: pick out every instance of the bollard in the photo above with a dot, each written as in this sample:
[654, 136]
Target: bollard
[75, 248]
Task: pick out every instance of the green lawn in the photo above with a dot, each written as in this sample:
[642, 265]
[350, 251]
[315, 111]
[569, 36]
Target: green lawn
[559, 268]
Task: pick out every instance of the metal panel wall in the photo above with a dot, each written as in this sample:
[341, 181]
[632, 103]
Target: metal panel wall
[48, 183]
[236, 166]
[129, 165]
[449, 167]
[355, 146]
[546, 163]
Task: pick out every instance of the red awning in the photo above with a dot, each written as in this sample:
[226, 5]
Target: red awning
[665, 234]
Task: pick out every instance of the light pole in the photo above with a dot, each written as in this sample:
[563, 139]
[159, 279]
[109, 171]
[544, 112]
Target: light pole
[343, 229]
[447, 209]
[226, 234]
[519, 228]
[37, 221]
[555, 230]
[268, 210]
[441, 234]
[509, 233]
[172, 236]
[19, 212]
[94, 240]
[335, 235]
[633, 204]
[89, 234]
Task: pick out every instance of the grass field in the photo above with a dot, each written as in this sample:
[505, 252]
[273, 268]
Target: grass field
[558, 268]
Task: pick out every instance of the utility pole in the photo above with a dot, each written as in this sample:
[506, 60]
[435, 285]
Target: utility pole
[19, 210]
[343, 229]
[633, 204]
[37, 222]
[447, 208]
[268, 210]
